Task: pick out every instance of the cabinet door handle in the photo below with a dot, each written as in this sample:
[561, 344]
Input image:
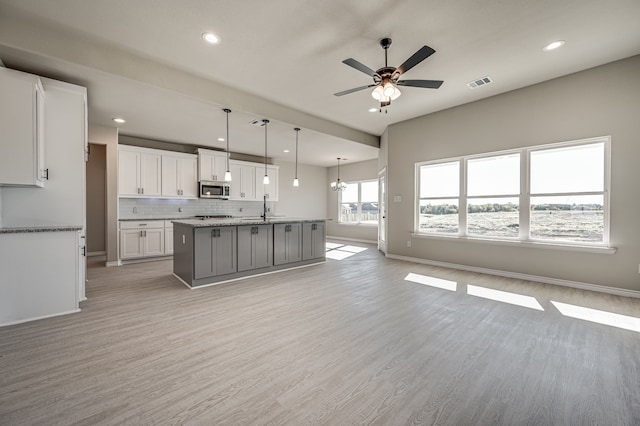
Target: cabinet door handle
[215, 177]
[142, 191]
[46, 174]
[84, 251]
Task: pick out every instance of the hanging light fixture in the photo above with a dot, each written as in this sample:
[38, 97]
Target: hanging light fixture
[338, 185]
[296, 182]
[227, 174]
[266, 176]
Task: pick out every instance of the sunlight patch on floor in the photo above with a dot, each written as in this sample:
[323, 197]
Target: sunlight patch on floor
[333, 245]
[431, 281]
[353, 249]
[505, 297]
[598, 316]
[341, 251]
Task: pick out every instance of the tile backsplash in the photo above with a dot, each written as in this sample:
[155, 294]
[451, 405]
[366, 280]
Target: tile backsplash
[155, 208]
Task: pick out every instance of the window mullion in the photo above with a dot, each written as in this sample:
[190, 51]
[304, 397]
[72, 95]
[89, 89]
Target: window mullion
[524, 210]
[462, 202]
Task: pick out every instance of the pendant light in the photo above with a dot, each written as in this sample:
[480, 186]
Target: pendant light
[227, 174]
[266, 176]
[338, 185]
[296, 182]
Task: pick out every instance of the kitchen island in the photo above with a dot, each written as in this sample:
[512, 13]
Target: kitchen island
[212, 251]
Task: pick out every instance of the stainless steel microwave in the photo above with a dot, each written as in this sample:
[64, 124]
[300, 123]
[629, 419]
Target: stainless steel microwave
[211, 189]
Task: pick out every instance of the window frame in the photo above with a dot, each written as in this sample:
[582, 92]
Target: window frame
[358, 204]
[525, 196]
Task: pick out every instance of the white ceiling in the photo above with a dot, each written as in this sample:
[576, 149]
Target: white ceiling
[286, 55]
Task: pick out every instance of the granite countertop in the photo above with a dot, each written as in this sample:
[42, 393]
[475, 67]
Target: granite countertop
[39, 228]
[199, 223]
[153, 218]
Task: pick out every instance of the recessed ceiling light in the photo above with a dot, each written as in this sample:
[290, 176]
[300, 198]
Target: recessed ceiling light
[119, 120]
[220, 139]
[553, 45]
[373, 109]
[286, 150]
[211, 38]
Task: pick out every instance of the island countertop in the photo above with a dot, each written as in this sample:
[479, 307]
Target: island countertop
[239, 221]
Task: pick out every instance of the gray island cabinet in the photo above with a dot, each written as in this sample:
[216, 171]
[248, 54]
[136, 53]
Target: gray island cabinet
[212, 251]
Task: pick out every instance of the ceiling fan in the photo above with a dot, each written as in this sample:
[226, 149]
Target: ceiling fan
[386, 79]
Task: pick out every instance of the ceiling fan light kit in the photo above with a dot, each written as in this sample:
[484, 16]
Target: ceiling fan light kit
[387, 79]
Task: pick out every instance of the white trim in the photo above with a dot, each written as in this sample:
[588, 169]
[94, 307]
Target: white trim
[536, 278]
[246, 277]
[519, 243]
[115, 263]
[356, 240]
[144, 259]
[39, 318]
[96, 253]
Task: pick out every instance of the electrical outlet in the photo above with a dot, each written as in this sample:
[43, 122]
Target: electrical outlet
[409, 243]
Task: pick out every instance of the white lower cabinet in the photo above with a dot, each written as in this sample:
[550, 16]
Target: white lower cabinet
[141, 239]
[168, 237]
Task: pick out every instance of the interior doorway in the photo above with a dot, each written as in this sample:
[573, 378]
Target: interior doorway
[382, 209]
[96, 200]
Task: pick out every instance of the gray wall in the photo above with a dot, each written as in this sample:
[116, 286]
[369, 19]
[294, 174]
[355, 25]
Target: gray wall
[364, 170]
[96, 198]
[307, 200]
[596, 102]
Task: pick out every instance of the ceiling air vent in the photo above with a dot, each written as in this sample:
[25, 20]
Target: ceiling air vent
[479, 82]
[257, 123]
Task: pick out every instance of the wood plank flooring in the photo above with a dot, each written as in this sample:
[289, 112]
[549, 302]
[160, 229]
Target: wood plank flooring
[340, 343]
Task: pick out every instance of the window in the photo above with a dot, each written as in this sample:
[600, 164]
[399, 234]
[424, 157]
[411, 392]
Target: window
[359, 203]
[493, 190]
[556, 193]
[439, 198]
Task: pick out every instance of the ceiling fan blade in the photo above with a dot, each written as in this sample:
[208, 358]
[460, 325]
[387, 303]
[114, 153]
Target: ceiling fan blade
[428, 84]
[415, 59]
[359, 66]
[346, 92]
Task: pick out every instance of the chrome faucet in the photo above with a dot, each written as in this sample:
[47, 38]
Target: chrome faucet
[264, 208]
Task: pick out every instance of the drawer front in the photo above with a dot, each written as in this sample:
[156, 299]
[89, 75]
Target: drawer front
[141, 224]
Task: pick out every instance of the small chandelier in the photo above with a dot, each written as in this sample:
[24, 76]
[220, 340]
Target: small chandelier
[338, 185]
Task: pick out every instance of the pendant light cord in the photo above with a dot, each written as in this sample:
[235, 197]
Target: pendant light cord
[297, 129]
[266, 122]
[227, 111]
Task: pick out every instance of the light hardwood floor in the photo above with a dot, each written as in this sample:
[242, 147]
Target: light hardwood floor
[340, 343]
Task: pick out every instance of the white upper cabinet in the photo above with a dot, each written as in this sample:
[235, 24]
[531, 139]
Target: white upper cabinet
[243, 184]
[139, 172]
[211, 165]
[21, 129]
[179, 174]
[270, 190]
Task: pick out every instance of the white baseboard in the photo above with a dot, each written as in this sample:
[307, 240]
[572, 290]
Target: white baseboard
[546, 280]
[96, 253]
[144, 259]
[39, 318]
[114, 263]
[355, 240]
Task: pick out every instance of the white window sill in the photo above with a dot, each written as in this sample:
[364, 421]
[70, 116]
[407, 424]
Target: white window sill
[517, 243]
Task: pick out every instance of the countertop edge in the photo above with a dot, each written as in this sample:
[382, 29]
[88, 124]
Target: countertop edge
[40, 228]
[197, 223]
